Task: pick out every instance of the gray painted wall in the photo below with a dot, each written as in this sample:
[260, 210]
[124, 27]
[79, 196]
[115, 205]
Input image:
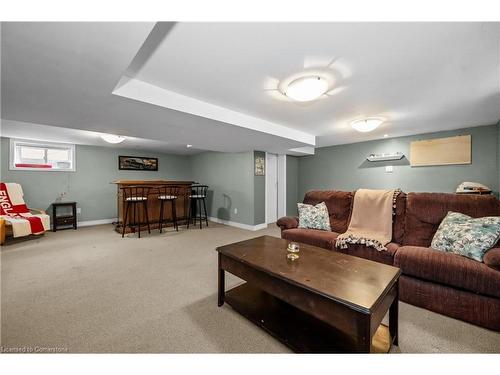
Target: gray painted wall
[292, 184]
[259, 191]
[233, 183]
[90, 185]
[344, 167]
[231, 180]
[229, 175]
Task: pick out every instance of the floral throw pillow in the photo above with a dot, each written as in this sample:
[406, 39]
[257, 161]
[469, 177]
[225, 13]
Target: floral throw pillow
[314, 217]
[464, 235]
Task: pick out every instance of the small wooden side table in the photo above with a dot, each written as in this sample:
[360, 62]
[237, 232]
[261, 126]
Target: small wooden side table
[63, 220]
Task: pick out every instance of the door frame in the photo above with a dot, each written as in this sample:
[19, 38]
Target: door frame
[281, 177]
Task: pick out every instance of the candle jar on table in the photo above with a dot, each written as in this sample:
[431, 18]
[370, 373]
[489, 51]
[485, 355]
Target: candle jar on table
[293, 249]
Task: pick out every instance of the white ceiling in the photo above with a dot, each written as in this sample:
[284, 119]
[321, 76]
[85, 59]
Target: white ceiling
[213, 85]
[64, 75]
[420, 76]
[30, 131]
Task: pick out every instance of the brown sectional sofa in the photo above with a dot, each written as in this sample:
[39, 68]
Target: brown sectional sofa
[442, 282]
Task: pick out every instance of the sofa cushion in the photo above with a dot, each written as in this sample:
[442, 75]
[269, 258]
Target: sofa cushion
[460, 234]
[338, 204]
[460, 304]
[398, 220]
[362, 251]
[313, 237]
[314, 217]
[448, 269]
[425, 211]
[492, 258]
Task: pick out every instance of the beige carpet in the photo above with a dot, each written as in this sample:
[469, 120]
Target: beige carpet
[92, 291]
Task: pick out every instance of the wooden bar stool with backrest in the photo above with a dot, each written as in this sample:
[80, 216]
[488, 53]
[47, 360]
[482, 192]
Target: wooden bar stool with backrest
[134, 196]
[198, 196]
[168, 193]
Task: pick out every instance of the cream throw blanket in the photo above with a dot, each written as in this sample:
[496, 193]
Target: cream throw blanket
[371, 219]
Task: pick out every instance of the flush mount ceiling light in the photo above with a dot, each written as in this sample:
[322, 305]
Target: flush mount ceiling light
[367, 124]
[189, 146]
[305, 89]
[112, 138]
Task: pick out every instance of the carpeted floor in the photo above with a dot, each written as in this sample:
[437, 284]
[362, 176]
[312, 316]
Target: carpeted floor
[92, 291]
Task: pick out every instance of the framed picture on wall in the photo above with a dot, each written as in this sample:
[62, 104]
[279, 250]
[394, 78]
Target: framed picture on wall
[137, 163]
[260, 166]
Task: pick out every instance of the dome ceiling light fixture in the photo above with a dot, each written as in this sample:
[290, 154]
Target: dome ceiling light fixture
[113, 138]
[315, 81]
[307, 88]
[367, 125]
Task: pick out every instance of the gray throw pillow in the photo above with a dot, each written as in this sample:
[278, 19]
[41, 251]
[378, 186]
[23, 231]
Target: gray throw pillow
[314, 217]
[464, 235]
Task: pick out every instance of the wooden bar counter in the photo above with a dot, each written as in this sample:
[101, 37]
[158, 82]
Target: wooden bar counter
[153, 202]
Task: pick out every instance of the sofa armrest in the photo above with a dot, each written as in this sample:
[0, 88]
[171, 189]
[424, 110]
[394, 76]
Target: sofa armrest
[288, 222]
[492, 258]
[35, 211]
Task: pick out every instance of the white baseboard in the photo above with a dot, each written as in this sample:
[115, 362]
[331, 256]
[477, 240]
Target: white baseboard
[214, 219]
[238, 225]
[96, 222]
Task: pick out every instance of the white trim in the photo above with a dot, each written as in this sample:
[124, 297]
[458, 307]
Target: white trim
[306, 150]
[238, 225]
[281, 185]
[265, 187]
[285, 181]
[211, 218]
[96, 222]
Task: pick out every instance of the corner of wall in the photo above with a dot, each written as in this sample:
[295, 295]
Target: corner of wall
[292, 185]
[259, 192]
[498, 158]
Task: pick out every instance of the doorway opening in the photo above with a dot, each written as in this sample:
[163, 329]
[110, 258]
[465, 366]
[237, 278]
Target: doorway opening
[275, 187]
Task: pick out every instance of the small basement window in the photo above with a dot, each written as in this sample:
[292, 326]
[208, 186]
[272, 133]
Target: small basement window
[41, 156]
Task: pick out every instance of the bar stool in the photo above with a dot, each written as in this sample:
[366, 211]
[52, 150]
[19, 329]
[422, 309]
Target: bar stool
[132, 197]
[168, 193]
[198, 195]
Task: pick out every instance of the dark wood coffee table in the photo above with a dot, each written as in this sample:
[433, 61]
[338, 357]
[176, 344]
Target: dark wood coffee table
[323, 302]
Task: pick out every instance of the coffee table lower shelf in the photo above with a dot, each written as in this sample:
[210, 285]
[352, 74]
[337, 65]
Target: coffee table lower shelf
[296, 329]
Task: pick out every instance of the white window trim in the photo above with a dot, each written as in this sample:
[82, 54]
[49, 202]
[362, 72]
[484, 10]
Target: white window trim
[14, 141]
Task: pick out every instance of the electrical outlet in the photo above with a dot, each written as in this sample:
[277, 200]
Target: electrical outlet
[78, 210]
[389, 169]
[236, 211]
